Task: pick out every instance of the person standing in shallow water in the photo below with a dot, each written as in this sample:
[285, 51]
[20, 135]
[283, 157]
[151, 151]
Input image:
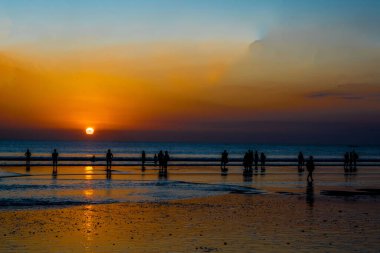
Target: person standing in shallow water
[54, 156]
[310, 169]
[28, 156]
[166, 160]
[224, 160]
[109, 157]
[143, 158]
[263, 160]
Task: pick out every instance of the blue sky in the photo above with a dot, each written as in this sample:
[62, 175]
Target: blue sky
[177, 20]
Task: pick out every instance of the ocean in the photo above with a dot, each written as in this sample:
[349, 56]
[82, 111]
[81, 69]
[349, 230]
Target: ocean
[87, 182]
[195, 150]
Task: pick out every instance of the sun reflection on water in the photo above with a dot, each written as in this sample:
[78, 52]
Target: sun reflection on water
[89, 170]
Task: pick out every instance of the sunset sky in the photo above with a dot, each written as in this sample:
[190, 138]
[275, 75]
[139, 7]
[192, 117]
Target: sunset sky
[223, 71]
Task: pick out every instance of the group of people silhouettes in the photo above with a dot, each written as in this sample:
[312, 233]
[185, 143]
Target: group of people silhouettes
[163, 159]
[251, 158]
[310, 166]
[350, 161]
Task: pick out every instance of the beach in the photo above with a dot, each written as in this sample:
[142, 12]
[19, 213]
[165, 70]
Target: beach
[226, 223]
[191, 209]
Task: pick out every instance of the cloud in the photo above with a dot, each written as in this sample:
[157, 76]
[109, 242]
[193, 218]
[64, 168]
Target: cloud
[331, 94]
[348, 92]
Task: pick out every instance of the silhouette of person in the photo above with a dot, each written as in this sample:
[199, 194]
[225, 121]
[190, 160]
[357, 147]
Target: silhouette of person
[109, 157]
[54, 156]
[301, 162]
[224, 160]
[262, 160]
[166, 159]
[155, 159]
[310, 169]
[256, 159]
[143, 158]
[346, 161]
[28, 156]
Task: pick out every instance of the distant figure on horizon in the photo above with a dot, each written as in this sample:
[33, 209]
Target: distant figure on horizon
[155, 159]
[310, 169]
[301, 162]
[262, 160]
[28, 156]
[346, 161]
[256, 159]
[109, 157]
[224, 160]
[143, 158]
[54, 156]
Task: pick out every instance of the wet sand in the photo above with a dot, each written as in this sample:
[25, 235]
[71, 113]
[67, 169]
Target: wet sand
[226, 223]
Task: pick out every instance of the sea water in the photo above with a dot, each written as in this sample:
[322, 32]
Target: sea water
[37, 187]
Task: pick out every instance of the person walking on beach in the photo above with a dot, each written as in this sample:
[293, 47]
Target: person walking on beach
[109, 157]
[224, 160]
[143, 158]
[262, 160]
[301, 162]
[310, 169]
[256, 159]
[28, 156]
[54, 156]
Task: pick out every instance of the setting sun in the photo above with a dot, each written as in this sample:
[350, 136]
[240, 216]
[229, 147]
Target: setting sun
[90, 131]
